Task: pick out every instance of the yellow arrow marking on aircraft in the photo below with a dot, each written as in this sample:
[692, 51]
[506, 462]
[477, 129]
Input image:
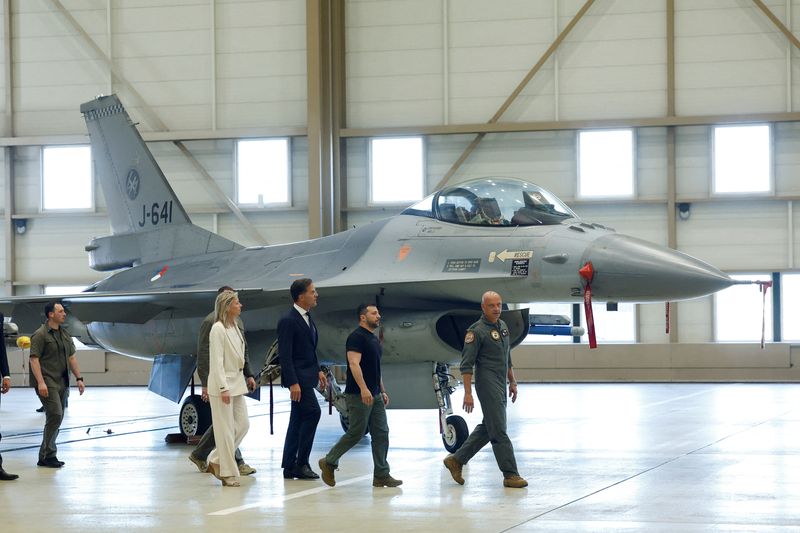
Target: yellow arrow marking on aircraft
[505, 254]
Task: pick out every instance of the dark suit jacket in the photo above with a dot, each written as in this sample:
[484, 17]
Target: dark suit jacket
[297, 349]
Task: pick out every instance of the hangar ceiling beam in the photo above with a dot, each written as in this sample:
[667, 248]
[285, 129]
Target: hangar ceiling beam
[503, 108]
[325, 114]
[777, 22]
[8, 155]
[562, 125]
[672, 179]
[156, 122]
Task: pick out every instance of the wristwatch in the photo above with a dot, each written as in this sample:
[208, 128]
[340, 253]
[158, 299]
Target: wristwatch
[79, 379]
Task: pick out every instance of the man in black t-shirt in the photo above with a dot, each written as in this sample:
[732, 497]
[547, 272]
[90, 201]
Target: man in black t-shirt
[366, 401]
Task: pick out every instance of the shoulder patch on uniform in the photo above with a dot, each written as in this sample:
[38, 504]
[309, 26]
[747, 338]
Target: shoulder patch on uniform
[495, 335]
[469, 338]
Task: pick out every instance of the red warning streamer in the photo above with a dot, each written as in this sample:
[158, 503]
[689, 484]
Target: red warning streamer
[667, 317]
[587, 273]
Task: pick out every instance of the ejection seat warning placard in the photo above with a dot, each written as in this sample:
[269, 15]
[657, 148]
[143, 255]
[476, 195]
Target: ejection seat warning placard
[519, 267]
[462, 265]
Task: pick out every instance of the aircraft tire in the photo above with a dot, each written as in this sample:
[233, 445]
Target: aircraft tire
[455, 433]
[195, 416]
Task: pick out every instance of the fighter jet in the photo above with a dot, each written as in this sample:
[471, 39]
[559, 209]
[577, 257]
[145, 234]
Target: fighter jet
[425, 268]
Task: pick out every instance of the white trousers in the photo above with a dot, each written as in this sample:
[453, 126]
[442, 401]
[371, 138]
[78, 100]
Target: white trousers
[230, 423]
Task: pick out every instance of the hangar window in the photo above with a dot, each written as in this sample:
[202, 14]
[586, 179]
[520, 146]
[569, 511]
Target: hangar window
[742, 159]
[737, 312]
[612, 326]
[67, 178]
[262, 172]
[790, 307]
[605, 163]
[57, 290]
[397, 170]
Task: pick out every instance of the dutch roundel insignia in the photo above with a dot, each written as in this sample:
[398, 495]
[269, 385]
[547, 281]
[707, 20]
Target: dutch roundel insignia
[470, 337]
[495, 335]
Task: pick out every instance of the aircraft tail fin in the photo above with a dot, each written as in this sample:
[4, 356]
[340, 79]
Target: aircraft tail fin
[148, 222]
[138, 195]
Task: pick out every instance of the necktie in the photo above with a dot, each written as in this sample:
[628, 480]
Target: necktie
[313, 327]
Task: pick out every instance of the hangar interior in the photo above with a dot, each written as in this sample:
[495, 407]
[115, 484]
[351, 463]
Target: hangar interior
[488, 90]
[504, 88]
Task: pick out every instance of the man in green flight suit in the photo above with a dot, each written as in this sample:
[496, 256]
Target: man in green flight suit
[487, 355]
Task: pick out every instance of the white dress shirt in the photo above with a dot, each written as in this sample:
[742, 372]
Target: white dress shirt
[303, 313]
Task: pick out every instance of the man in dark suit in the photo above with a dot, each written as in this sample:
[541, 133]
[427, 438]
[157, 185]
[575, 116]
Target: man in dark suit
[5, 373]
[300, 373]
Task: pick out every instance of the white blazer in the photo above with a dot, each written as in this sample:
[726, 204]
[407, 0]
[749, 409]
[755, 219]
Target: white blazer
[226, 361]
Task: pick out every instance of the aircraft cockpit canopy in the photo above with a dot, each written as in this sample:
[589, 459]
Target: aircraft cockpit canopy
[494, 202]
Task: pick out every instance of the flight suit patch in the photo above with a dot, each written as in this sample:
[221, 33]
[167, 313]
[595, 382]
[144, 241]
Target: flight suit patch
[495, 335]
[469, 338]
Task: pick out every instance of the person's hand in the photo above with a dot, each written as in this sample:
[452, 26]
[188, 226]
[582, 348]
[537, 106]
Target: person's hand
[226, 397]
[81, 387]
[204, 394]
[41, 388]
[251, 384]
[366, 397]
[6, 385]
[294, 392]
[323, 380]
[512, 391]
[469, 403]
[385, 399]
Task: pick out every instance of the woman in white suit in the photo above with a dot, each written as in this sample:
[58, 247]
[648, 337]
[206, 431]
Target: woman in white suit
[226, 388]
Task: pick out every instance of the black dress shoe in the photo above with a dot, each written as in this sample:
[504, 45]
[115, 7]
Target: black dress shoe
[5, 476]
[289, 473]
[305, 472]
[50, 462]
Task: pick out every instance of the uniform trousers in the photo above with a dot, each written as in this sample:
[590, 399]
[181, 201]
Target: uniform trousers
[358, 416]
[230, 423]
[1, 439]
[1, 456]
[491, 391]
[54, 406]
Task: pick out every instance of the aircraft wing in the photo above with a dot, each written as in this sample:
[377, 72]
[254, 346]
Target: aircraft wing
[130, 307]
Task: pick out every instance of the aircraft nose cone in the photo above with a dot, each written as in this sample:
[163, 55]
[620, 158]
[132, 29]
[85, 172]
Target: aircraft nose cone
[630, 269]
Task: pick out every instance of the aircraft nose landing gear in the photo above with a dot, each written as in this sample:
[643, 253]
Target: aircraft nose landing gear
[453, 428]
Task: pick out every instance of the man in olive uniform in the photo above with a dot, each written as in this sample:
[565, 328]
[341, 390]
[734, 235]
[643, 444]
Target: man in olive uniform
[487, 355]
[5, 375]
[203, 449]
[52, 357]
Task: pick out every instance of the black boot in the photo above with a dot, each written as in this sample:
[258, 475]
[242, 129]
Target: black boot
[5, 476]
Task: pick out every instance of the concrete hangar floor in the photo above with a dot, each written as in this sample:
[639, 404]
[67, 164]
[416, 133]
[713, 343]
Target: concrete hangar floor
[600, 457]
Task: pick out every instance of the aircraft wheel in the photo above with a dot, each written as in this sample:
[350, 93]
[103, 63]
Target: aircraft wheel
[455, 433]
[195, 416]
[345, 422]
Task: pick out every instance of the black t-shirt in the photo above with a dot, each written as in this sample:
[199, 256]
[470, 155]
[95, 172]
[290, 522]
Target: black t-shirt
[367, 344]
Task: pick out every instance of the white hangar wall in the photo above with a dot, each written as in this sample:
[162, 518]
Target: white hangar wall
[215, 70]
